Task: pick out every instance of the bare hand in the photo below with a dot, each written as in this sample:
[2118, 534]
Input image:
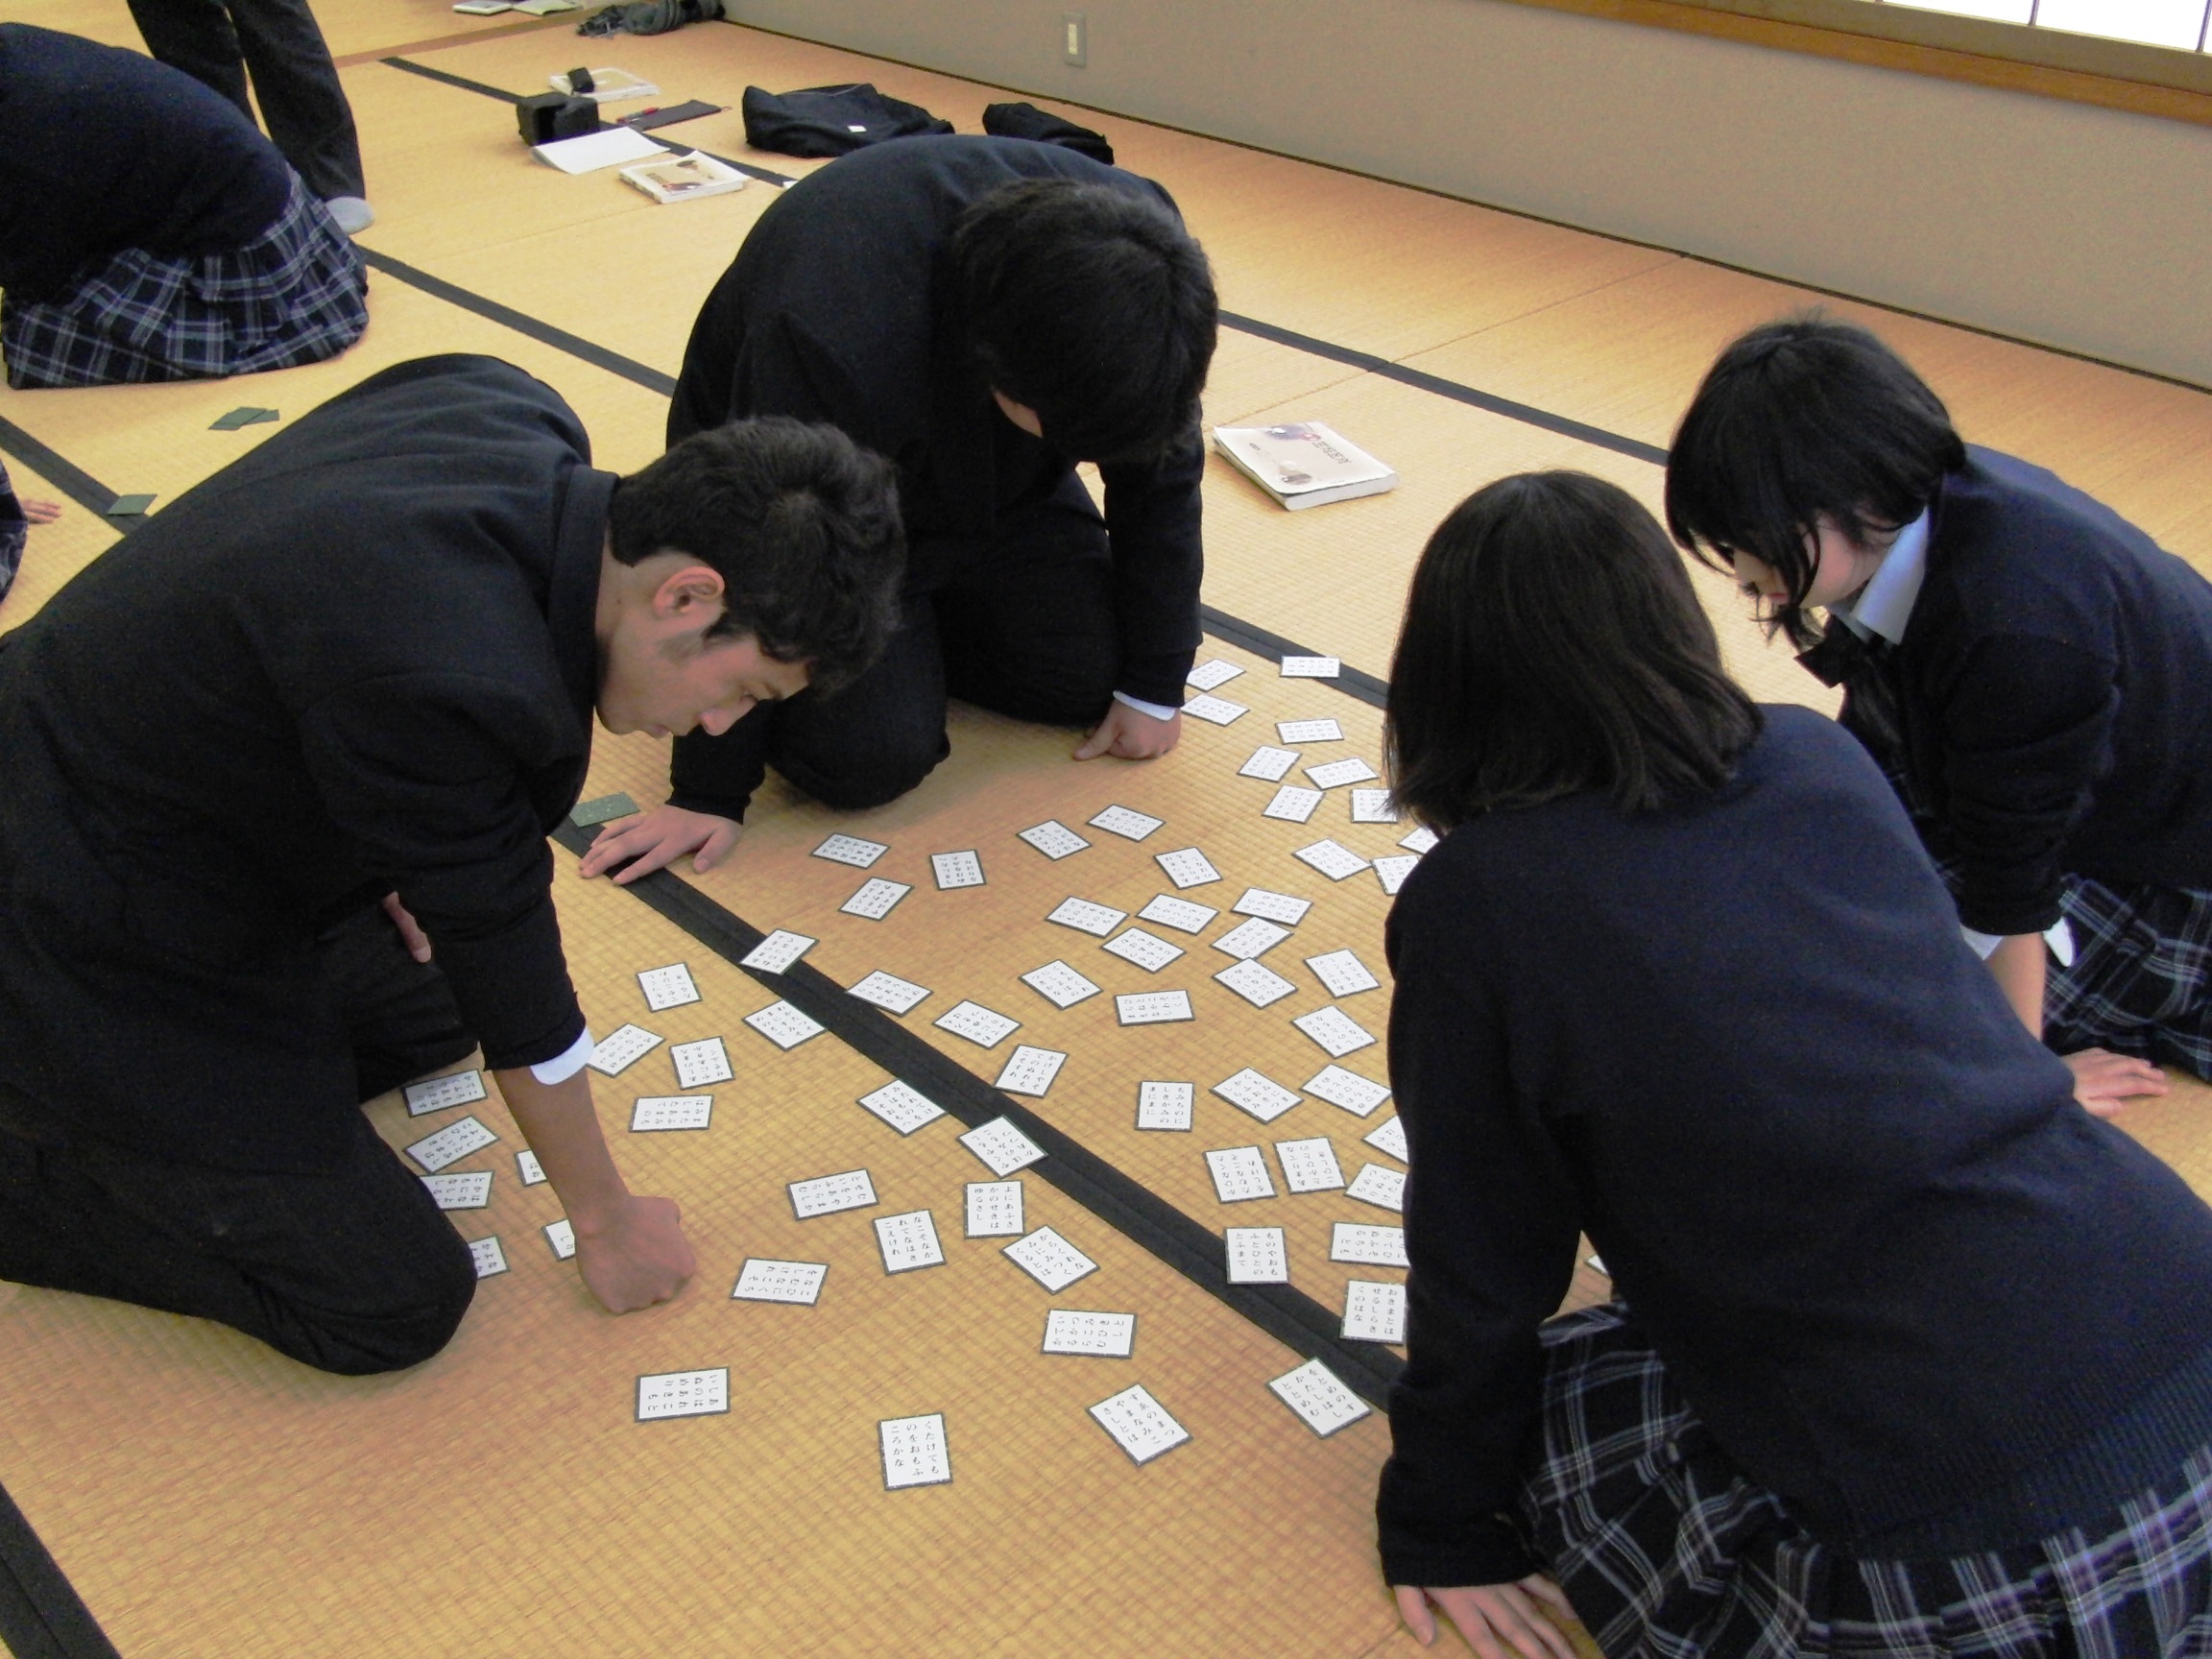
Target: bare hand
[659, 837]
[40, 512]
[2104, 1081]
[1497, 1620]
[411, 932]
[1131, 734]
[637, 1257]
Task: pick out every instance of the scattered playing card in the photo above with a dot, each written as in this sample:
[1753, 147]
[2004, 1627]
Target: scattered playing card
[1333, 860]
[901, 1106]
[764, 1280]
[1031, 1070]
[1215, 711]
[1309, 732]
[1240, 1172]
[245, 415]
[1188, 867]
[1388, 1138]
[888, 991]
[1148, 950]
[668, 986]
[850, 849]
[784, 1026]
[488, 1257]
[1002, 1147]
[1310, 1165]
[1152, 1008]
[908, 1240]
[621, 1050]
[1420, 840]
[1253, 937]
[1257, 1255]
[1374, 1310]
[1369, 1246]
[875, 898]
[701, 1063]
[440, 1093]
[683, 1394]
[452, 1143]
[1335, 1030]
[471, 1191]
[1165, 1105]
[1138, 1424]
[1392, 871]
[978, 1024]
[1321, 1400]
[560, 1238]
[1256, 982]
[1262, 1096]
[1292, 804]
[1310, 667]
[1101, 1336]
[604, 810]
[1085, 917]
[1274, 906]
[1180, 914]
[914, 1451]
[1054, 839]
[1059, 984]
[526, 1166]
[1373, 806]
[1384, 1189]
[777, 953]
[1269, 763]
[672, 1112]
[1049, 1259]
[994, 1210]
[1130, 825]
[1212, 673]
[1338, 773]
[132, 506]
[1342, 973]
[829, 1195]
[1346, 1089]
[957, 870]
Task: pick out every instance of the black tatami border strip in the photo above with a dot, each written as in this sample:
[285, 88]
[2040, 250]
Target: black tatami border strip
[64, 474]
[41, 1615]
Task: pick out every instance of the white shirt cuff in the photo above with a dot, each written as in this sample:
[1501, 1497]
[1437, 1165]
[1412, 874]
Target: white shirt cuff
[2058, 937]
[1158, 710]
[563, 1067]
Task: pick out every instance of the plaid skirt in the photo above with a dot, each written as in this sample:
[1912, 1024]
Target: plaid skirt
[1667, 1551]
[2141, 980]
[295, 294]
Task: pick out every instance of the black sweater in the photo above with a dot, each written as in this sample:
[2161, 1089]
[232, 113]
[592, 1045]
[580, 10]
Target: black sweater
[1887, 1258]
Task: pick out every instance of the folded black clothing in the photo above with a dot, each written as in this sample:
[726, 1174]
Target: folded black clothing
[649, 16]
[1028, 121]
[818, 121]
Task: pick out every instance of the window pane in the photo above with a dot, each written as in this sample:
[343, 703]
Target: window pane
[2001, 10]
[2154, 22]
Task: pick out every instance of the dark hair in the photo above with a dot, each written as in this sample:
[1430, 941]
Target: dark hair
[802, 524]
[1798, 419]
[1092, 306]
[1553, 644]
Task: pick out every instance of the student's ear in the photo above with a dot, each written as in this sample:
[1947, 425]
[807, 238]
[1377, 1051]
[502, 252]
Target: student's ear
[689, 594]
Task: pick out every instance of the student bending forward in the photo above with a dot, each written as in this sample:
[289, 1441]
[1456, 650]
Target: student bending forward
[1913, 1355]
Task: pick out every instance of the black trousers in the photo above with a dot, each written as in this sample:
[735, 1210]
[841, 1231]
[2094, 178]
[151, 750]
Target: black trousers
[353, 1270]
[1024, 625]
[219, 42]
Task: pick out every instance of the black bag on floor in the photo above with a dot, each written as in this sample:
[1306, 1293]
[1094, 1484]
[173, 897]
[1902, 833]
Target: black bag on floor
[1028, 121]
[819, 121]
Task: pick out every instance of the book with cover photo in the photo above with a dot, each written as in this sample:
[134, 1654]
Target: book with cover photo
[1303, 463]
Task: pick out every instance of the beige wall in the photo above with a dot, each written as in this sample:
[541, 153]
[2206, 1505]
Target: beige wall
[2059, 223]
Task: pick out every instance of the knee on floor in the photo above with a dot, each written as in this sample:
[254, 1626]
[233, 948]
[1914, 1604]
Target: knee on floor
[428, 1299]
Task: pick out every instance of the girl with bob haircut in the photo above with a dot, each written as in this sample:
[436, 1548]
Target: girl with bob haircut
[1912, 1356]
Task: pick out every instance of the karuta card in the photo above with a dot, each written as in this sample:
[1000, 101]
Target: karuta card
[1209, 675]
[1388, 1138]
[1312, 667]
[1256, 982]
[874, 899]
[1346, 1089]
[829, 1195]
[784, 1026]
[1335, 1030]
[1368, 1246]
[889, 991]
[1373, 806]
[602, 810]
[763, 1279]
[1374, 1310]
[850, 849]
[1262, 1096]
[1310, 1165]
[1165, 1105]
[1085, 917]
[1269, 763]
[1148, 950]
[1384, 1189]
[1392, 871]
[452, 1143]
[1273, 906]
[1049, 1259]
[1152, 1008]
[1292, 804]
[701, 1063]
[489, 1258]
[560, 1238]
[1180, 914]
[1188, 867]
[1253, 936]
[1319, 1398]
[621, 1050]
[777, 953]
[1342, 973]
[666, 1394]
[1239, 1173]
[668, 986]
[1122, 821]
[1138, 1424]
[1054, 839]
[1256, 1255]
[1338, 773]
[1309, 731]
[1332, 859]
[442, 1092]
[994, 1210]
[1059, 984]
[672, 1112]
[471, 1191]
[1031, 1070]
[1420, 841]
[902, 1106]
[914, 1451]
[908, 1240]
[957, 869]
[978, 1024]
[1002, 1147]
[527, 1167]
[1214, 710]
[1100, 1336]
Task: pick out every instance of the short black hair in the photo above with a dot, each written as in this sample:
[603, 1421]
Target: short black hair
[1800, 418]
[802, 524]
[1092, 306]
[1553, 644]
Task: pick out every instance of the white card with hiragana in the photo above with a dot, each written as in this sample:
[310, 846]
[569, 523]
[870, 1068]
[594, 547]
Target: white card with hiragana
[829, 1195]
[1128, 823]
[1049, 1259]
[1100, 1336]
[440, 1093]
[957, 869]
[452, 1143]
[850, 849]
[1002, 1147]
[1054, 839]
[560, 1239]
[1085, 917]
[889, 991]
[784, 1024]
[701, 1063]
[1256, 1255]
[672, 1112]
[1384, 1189]
[668, 986]
[1373, 806]
[1138, 1424]
[1333, 860]
[527, 1167]
[1212, 673]
[777, 952]
[994, 1210]
[621, 1050]
[471, 1191]
[902, 1106]
[1059, 984]
[488, 1257]
[683, 1394]
[874, 899]
[766, 1280]
[1269, 763]
[978, 1024]
[1165, 1105]
[1346, 1089]
[1319, 1398]
[1420, 840]
[1310, 1165]
[1292, 805]
[1342, 973]
[1374, 1310]
[1392, 871]
[1148, 950]
[1214, 710]
[914, 1451]
[908, 1240]
[1309, 731]
[1368, 1246]
[1262, 1096]
[1152, 1008]
[1338, 773]
[1188, 867]
[1239, 1173]
[1312, 667]
[1031, 1070]
[1256, 982]
[1388, 1138]
[1180, 914]
[1253, 936]
[1335, 1030]
[1273, 906]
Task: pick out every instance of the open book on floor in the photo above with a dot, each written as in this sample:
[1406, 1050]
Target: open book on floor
[1304, 463]
[684, 178]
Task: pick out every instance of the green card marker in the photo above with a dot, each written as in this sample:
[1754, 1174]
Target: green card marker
[131, 506]
[244, 416]
[605, 809]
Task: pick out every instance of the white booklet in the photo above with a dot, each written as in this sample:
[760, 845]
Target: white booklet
[609, 147]
[1304, 463]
